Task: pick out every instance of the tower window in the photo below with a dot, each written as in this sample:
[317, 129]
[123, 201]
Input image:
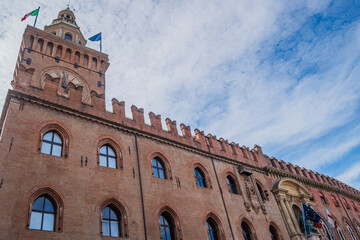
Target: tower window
[212, 229]
[166, 226]
[199, 177]
[232, 185]
[68, 37]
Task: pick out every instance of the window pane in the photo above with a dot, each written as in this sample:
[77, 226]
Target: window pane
[161, 173]
[161, 220]
[48, 206]
[113, 215]
[38, 204]
[105, 228]
[112, 162]
[154, 162]
[57, 138]
[201, 182]
[56, 151]
[48, 224]
[103, 161]
[163, 233]
[35, 220]
[105, 213]
[103, 150]
[168, 234]
[114, 229]
[48, 136]
[111, 152]
[45, 147]
[155, 172]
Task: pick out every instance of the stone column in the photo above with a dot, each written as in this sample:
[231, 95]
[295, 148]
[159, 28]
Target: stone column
[292, 215]
[287, 215]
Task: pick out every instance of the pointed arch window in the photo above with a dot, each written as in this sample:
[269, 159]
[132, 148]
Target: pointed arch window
[200, 178]
[166, 226]
[336, 203]
[111, 221]
[158, 168]
[52, 144]
[273, 233]
[261, 191]
[212, 229]
[107, 156]
[68, 36]
[323, 200]
[246, 231]
[232, 185]
[43, 214]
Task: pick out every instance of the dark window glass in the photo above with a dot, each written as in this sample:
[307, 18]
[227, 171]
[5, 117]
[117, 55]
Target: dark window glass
[68, 37]
[52, 144]
[199, 176]
[42, 214]
[110, 222]
[323, 200]
[158, 168]
[107, 157]
[212, 229]
[262, 194]
[274, 234]
[246, 231]
[232, 185]
[166, 226]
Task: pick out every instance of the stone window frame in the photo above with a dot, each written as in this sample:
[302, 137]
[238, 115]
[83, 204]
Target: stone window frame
[264, 194]
[117, 149]
[251, 227]
[335, 201]
[272, 224]
[213, 216]
[123, 218]
[175, 218]
[164, 160]
[61, 132]
[206, 175]
[58, 207]
[237, 185]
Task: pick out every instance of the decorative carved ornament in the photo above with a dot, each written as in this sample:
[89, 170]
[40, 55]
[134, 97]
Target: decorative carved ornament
[65, 78]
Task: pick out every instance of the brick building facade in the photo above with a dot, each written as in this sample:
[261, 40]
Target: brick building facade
[69, 169]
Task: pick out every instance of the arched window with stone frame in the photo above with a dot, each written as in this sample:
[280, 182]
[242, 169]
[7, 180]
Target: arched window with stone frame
[45, 210]
[275, 232]
[201, 176]
[260, 188]
[232, 183]
[160, 165]
[54, 140]
[351, 232]
[247, 230]
[322, 198]
[113, 219]
[214, 227]
[336, 203]
[169, 224]
[109, 153]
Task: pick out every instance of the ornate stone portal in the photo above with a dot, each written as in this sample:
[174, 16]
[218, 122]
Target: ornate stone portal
[290, 194]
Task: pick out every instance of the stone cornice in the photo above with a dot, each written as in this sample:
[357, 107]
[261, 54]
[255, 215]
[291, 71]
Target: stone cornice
[310, 182]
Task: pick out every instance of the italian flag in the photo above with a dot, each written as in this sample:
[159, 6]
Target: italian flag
[32, 13]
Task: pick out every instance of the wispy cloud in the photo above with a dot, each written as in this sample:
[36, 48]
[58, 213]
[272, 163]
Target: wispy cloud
[281, 74]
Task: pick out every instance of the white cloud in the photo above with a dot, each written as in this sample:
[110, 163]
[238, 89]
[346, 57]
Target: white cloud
[211, 65]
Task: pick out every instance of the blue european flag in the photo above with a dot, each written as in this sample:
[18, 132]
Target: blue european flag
[310, 214]
[96, 37]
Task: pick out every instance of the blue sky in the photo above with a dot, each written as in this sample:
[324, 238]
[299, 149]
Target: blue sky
[280, 74]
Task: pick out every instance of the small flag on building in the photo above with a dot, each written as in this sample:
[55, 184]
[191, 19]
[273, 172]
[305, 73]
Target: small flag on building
[32, 13]
[96, 38]
[311, 215]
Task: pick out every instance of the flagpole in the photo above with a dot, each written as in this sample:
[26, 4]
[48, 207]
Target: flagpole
[309, 229]
[100, 41]
[303, 216]
[327, 221]
[37, 16]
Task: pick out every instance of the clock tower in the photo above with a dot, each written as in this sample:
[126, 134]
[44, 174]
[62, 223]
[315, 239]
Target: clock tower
[58, 56]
